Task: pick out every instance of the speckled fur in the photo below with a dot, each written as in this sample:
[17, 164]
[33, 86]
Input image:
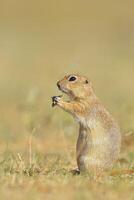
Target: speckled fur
[99, 139]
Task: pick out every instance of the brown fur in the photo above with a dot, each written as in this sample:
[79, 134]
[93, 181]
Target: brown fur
[99, 139]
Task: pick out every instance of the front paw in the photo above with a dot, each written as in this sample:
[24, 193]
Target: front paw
[56, 100]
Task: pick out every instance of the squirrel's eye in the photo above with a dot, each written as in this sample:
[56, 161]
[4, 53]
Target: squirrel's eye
[72, 78]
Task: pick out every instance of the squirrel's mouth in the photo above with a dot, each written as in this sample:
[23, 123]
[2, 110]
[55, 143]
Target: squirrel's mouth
[62, 89]
[65, 91]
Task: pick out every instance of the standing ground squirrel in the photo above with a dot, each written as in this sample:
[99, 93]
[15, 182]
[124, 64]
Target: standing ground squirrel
[99, 139]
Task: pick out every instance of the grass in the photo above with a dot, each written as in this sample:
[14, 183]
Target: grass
[47, 176]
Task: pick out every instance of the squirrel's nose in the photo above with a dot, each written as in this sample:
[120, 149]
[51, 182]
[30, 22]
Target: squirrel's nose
[58, 85]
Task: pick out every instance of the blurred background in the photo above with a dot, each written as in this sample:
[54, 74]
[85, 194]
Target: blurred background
[41, 41]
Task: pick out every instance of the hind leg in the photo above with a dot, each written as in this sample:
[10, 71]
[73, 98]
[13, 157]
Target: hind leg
[86, 164]
[82, 162]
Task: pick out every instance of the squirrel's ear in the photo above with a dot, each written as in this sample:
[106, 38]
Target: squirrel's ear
[88, 82]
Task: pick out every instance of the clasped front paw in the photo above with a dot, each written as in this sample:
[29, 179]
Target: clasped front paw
[56, 100]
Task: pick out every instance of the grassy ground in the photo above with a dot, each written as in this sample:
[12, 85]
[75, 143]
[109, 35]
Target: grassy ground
[40, 42]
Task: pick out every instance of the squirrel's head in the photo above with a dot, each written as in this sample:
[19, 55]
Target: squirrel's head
[75, 86]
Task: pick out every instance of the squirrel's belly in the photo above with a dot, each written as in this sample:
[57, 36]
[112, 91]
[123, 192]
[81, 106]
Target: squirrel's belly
[102, 149]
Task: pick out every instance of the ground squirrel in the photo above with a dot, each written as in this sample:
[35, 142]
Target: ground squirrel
[99, 139]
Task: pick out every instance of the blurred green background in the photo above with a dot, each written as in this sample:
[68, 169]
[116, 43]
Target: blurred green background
[41, 41]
